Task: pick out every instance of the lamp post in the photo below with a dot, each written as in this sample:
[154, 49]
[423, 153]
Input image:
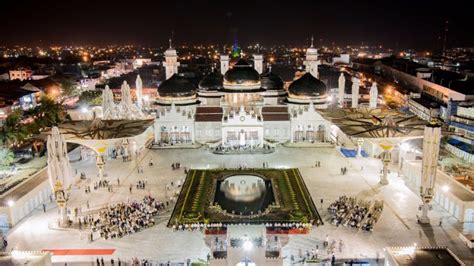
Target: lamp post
[386, 157]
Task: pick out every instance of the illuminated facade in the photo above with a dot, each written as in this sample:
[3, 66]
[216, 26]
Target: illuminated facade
[242, 107]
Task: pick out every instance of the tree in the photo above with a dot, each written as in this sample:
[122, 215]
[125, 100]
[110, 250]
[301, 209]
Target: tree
[68, 87]
[6, 158]
[9, 133]
[91, 98]
[21, 126]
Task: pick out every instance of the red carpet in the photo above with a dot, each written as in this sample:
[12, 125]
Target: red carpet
[80, 252]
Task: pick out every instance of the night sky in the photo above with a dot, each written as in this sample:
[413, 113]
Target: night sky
[395, 24]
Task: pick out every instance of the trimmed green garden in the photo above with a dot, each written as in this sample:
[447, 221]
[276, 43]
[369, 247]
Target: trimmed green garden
[292, 201]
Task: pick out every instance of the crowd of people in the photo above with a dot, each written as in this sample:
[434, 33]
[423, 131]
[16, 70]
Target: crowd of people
[348, 211]
[125, 218]
[373, 216]
[242, 148]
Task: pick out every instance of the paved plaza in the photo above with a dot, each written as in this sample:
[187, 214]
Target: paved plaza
[396, 227]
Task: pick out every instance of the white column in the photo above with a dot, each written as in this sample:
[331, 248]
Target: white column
[374, 94]
[431, 144]
[100, 163]
[360, 141]
[342, 85]
[258, 63]
[355, 92]
[63, 219]
[386, 157]
[224, 64]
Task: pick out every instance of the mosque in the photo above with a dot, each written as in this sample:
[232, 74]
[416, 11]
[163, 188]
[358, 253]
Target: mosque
[243, 105]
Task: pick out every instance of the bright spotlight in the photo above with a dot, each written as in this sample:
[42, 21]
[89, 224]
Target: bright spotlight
[84, 109]
[10, 203]
[405, 146]
[445, 188]
[247, 245]
[330, 98]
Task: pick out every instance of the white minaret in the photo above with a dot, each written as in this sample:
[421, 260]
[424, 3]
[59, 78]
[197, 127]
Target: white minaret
[258, 63]
[312, 61]
[171, 61]
[374, 94]
[342, 86]
[355, 92]
[431, 143]
[224, 63]
[139, 91]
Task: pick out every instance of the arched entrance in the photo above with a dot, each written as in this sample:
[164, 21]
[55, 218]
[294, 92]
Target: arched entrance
[246, 262]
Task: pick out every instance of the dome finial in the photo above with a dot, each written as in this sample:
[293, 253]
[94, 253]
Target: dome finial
[312, 40]
[171, 43]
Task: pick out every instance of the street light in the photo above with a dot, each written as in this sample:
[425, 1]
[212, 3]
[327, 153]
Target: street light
[247, 245]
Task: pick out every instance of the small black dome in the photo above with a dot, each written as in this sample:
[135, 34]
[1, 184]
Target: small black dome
[307, 85]
[176, 86]
[271, 81]
[211, 82]
[242, 72]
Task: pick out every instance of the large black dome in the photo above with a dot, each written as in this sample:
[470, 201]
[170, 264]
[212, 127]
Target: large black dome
[211, 82]
[176, 86]
[242, 72]
[308, 86]
[271, 81]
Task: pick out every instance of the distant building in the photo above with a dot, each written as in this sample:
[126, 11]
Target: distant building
[462, 123]
[139, 62]
[20, 74]
[341, 59]
[442, 85]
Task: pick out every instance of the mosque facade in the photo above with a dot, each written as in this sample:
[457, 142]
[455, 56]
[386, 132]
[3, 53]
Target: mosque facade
[245, 104]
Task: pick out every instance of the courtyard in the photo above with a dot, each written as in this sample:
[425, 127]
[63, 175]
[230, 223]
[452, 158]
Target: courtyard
[397, 226]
